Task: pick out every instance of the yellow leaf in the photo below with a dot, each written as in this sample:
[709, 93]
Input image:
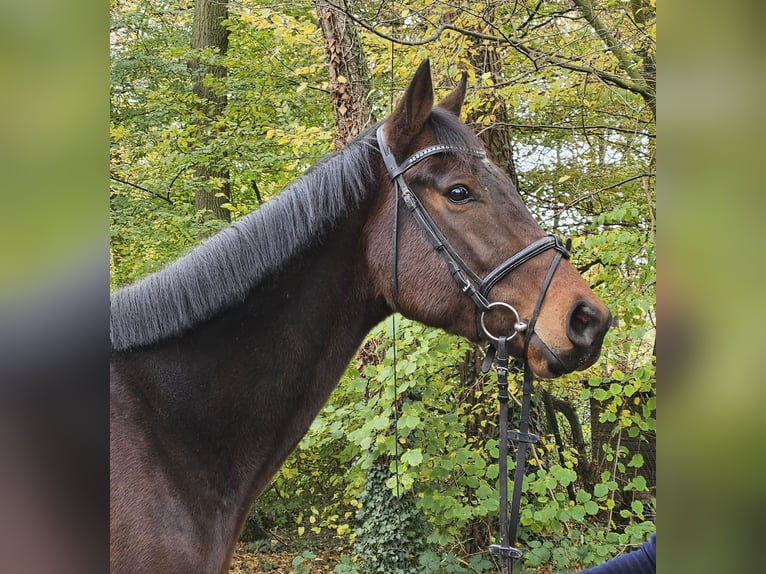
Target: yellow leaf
[342, 80]
[563, 178]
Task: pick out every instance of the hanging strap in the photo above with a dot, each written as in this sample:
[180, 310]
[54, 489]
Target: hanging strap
[505, 550]
[478, 290]
[509, 525]
[523, 437]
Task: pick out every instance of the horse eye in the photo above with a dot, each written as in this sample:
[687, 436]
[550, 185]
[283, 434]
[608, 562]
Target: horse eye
[459, 194]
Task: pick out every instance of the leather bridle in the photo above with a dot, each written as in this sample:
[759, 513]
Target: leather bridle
[468, 281]
[478, 289]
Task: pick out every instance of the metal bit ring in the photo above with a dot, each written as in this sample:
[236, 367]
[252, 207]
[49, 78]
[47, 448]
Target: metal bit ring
[518, 325]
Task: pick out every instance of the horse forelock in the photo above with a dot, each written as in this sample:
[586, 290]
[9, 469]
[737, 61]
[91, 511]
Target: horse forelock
[451, 131]
[220, 272]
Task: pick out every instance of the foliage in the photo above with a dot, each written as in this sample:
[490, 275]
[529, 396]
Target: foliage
[447, 448]
[274, 125]
[392, 532]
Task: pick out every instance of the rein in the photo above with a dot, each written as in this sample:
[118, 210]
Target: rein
[508, 526]
[478, 289]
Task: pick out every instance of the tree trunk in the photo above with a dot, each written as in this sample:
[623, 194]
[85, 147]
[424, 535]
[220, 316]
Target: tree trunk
[493, 116]
[349, 82]
[208, 32]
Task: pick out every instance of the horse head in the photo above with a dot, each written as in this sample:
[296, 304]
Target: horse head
[481, 221]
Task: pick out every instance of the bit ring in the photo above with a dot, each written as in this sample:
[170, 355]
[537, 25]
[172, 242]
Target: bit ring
[518, 326]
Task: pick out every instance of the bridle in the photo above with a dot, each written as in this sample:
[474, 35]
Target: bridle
[478, 290]
[468, 281]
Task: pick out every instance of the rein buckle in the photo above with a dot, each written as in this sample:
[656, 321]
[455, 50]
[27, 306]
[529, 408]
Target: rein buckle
[505, 551]
[527, 437]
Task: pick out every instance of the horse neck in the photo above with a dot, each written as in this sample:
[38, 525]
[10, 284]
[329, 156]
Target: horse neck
[290, 344]
[231, 399]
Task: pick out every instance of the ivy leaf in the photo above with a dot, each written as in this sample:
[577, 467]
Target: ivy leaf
[582, 496]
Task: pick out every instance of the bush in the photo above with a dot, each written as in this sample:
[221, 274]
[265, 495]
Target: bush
[392, 534]
[446, 438]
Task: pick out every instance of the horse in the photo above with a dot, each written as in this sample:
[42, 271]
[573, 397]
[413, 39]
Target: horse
[221, 360]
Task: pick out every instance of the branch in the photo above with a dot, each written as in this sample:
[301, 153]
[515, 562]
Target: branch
[578, 438]
[635, 85]
[585, 196]
[254, 185]
[140, 187]
[550, 414]
[542, 127]
[627, 64]
[176, 176]
[652, 220]
[531, 16]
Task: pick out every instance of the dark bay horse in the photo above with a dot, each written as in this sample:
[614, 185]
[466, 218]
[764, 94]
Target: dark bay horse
[221, 360]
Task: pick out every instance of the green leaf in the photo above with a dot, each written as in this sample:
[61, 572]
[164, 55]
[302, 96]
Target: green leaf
[637, 483]
[591, 508]
[413, 457]
[564, 476]
[600, 490]
[601, 394]
[582, 496]
[370, 371]
[409, 422]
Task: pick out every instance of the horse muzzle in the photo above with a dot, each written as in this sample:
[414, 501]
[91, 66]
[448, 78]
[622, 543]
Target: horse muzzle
[586, 326]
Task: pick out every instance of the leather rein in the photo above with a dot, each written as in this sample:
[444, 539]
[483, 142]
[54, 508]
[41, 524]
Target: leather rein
[478, 289]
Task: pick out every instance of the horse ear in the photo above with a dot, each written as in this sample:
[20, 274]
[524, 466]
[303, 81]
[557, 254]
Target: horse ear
[454, 101]
[413, 109]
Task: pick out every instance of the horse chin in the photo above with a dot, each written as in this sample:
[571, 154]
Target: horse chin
[548, 364]
[545, 363]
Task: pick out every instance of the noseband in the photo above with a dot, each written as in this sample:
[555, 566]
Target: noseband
[478, 289]
[468, 281]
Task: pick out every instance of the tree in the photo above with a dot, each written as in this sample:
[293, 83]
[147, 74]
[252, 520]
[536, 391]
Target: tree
[349, 82]
[273, 126]
[492, 111]
[209, 42]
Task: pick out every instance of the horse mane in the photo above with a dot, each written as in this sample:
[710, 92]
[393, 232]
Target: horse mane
[220, 272]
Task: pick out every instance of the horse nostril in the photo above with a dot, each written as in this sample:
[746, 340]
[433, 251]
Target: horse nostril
[586, 325]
